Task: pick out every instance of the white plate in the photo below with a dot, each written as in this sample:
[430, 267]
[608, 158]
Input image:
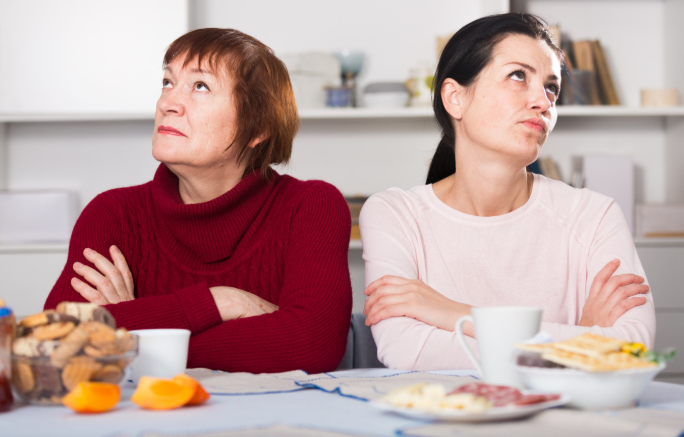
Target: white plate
[491, 415]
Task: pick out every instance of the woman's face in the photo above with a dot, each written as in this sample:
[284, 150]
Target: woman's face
[195, 121]
[511, 109]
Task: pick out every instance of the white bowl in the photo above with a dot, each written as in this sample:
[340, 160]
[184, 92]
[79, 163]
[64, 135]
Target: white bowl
[591, 390]
[395, 99]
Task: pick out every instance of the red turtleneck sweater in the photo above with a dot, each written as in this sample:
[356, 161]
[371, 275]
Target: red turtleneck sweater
[284, 240]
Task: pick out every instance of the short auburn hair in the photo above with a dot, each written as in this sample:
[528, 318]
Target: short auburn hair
[262, 92]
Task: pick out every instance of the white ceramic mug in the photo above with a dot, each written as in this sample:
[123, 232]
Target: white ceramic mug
[161, 352]
[497, 330]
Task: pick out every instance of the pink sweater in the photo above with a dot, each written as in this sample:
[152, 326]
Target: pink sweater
[544, 254]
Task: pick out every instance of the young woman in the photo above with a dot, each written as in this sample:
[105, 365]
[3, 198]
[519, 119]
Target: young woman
[484, 231]
[252, 262]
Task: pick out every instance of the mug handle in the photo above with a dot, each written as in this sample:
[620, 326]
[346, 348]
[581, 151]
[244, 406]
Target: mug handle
[461, 339]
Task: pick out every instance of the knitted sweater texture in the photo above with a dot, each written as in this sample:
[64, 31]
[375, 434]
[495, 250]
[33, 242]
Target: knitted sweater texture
[283, 240]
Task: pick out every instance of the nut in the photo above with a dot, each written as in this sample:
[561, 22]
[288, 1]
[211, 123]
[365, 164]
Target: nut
[79, 369]
[69, 346]
[53, 331]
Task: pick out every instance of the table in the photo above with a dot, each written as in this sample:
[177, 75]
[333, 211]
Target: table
[313, 408]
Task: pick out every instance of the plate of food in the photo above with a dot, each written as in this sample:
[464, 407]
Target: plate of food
[595, 371]
[476, 402]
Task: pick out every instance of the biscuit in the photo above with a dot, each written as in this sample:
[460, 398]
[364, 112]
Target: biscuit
[34, 320]
[79, 369]
[22, 377]
[101, 335]
[591, 345]
[69, 346]
[47, 378]
[32, 347]
[53, 331]
[87, 312]
[109, 373]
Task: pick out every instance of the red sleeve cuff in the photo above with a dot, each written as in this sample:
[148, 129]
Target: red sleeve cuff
[199, 306]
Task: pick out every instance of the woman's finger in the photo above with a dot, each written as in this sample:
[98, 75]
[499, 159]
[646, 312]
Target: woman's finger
[625, 292]
[386, 301]
[398, 310]
[381, 292]
[108, 269]
[88, 293]
[617, 281]
[385, 280]
[602, 277]
[622, 307]
[121, 264]
[101, 282]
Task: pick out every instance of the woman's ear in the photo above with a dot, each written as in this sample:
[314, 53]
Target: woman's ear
[452, 93]
[257, 140]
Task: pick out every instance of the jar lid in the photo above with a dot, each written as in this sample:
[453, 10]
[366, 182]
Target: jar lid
[4, 312]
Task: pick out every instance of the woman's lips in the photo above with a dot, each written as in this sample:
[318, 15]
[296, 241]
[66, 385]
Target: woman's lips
[168, 130]
[535, 124]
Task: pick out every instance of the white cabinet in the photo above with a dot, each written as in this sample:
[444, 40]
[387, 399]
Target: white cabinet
[81, 56]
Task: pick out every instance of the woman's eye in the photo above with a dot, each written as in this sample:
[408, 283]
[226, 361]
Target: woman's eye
[518, 76]
[553, 88]
[199, 86]
[166, 83]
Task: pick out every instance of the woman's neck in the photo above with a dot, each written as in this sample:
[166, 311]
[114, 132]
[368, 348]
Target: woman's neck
[201, 184]
[485, 185]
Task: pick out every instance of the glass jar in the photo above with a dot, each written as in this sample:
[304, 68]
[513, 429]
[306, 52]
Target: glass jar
[7, 324]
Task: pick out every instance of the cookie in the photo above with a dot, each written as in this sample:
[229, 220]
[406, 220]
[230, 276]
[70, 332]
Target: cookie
[34, 320]
[53, 331]
[32, 347]
[22, 377]
[109, 373]
[79, 369]
[55, 317]
[101, 335]
[48, 379]
[69, 346]
[125, 340]
[87, 312]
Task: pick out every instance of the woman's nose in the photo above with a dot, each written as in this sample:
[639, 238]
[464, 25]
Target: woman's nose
[540, 100]
[170, 103]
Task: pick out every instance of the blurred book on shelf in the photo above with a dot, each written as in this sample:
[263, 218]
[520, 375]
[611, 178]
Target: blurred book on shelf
[660, 220]
[586, 76]
[355, 204]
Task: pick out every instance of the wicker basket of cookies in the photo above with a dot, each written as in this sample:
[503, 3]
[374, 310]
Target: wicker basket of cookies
[55, 350]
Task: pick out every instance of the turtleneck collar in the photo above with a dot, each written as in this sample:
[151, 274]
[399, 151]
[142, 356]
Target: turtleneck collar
[211, 230]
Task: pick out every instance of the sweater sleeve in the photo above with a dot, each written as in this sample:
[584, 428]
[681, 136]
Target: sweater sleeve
[612, 240]
[309, 330]
[389, 246]
[99, 227]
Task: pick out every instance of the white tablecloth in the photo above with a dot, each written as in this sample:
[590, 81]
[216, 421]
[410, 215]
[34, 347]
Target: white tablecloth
[310, 408]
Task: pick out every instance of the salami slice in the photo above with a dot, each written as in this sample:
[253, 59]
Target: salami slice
[498, 395]
[535, 399]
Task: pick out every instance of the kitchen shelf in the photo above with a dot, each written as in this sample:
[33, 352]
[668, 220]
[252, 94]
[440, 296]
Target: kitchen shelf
[353, 245]
[358, 113]
[34, 248]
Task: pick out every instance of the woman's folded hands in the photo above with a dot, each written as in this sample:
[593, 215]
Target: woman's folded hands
[393, 296]
[112, 282]
[612, 296]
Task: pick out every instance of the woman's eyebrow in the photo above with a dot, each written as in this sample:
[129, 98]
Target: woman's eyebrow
[532, 69]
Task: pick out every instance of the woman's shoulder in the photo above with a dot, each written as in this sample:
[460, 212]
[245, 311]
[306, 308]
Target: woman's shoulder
[578, 208]
[309, 193]
[124, 197]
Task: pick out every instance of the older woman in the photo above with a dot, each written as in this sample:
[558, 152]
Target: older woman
[484, 231]
[253, 263]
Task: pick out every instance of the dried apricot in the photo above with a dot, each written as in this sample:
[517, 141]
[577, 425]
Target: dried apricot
[92, 397]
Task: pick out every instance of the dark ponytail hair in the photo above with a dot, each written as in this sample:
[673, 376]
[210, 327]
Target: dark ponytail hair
[466, 54]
